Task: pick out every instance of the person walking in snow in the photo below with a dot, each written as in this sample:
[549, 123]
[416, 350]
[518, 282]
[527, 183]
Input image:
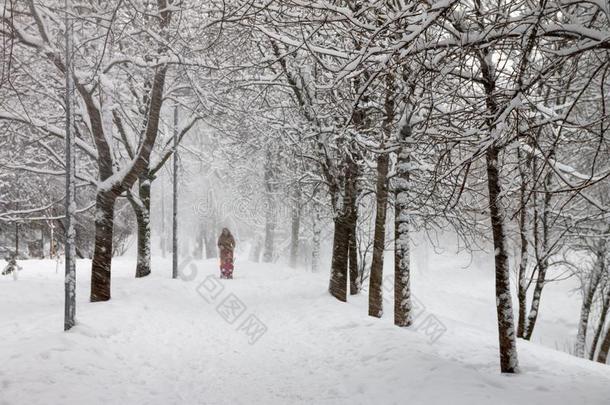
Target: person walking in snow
[226, 244]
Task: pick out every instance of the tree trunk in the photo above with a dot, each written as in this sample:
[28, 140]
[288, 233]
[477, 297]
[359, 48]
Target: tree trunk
[163, 241]
[533, 314]
[504, 307]
[270, 215]
[102, 255]
[351, 205]
[585, 311]
[541, 242]
[175, 191]
[601, 323]
[381, 194]
[523, 234]
[141, 207]
[255, 251]
[211, 251]
[295, 228]
[509, 362]
[269, 235]
[604, 348]
[376, 274]
[338, 273]
[17, 237]
[354, 278]
[345, 224]
[52, 240]
[315, 249]
[42, 256]
[402, 261]
[522, 299]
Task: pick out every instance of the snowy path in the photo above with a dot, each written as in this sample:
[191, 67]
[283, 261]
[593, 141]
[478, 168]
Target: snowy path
[160, 342]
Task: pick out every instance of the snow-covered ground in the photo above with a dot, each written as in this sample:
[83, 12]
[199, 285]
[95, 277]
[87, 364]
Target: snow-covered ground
[274, 336]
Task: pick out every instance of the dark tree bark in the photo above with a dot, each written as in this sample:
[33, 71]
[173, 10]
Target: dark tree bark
[344, 222]
[270, 214]
[316, 235]
[504, 308]
[345, 226]
[351, 204]
[602, 356]
[338, 274]
[381, 195]
[376, 274]
[509, 362]
[295, 227]
[600, 324]
[354, 277]
[102, 256]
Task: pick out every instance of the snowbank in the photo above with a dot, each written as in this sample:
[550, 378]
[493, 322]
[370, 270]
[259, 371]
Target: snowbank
[273, 336]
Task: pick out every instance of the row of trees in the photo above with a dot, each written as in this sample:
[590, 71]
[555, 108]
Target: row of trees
[488, 118]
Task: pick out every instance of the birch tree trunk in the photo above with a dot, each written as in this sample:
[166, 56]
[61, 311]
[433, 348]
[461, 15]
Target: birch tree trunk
[541, 239]
[70, 232]
[535, 307]
[402, 218]
[523, 259]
